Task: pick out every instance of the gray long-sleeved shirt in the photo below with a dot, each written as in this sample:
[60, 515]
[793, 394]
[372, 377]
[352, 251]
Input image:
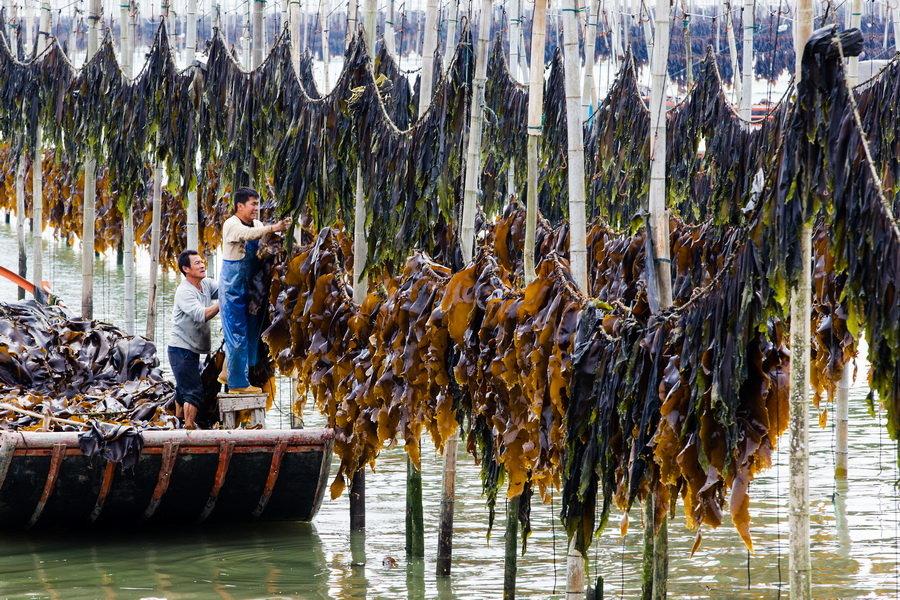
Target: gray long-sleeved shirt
[190, 330]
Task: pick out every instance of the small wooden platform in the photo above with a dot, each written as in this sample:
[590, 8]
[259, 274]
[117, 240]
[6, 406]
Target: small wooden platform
[230, 404]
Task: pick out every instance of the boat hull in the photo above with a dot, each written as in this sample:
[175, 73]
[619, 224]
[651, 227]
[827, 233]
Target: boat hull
[182, 477]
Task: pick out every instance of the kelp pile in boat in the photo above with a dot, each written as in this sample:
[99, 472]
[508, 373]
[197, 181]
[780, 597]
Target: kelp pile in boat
[77, 369]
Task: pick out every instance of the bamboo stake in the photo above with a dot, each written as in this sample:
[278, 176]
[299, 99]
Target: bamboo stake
[429, 45]
[575, 134]
[190, 51]
[323, 28]
[352, 20]
[20, 221]
[12, 23]
[535, 126]
[450, 41]
[37, 173]
[90, 186]
[126, 47]
[732, 51]
[688, 47]
[515, 23]
[390, 41]
[511, 550]
[257, 38]
[28, 20]
[717, 16]
[246, 42]
[648, 29]
[614, 21]
[589, 93]
[895, 12]
[656, 553]
[153, 284]
[626, 26]
[749, 16]
[801, 588]
[294, 28]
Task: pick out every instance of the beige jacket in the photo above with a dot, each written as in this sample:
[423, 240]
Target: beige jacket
[235, 234]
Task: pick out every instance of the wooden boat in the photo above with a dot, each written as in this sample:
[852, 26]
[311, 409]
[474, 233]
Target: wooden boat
[181, 477]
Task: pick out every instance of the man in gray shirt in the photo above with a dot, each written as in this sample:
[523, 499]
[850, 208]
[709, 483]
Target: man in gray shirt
[195, 304]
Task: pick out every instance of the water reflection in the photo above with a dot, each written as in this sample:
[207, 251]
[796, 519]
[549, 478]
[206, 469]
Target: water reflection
[250, 560]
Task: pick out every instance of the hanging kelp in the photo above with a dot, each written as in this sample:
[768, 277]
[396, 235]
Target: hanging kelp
[306, 77]
[397, 96]
[412, 178]
[553, 192]
[505, 133]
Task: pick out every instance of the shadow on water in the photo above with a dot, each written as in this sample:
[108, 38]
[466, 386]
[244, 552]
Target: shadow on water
[243, 561]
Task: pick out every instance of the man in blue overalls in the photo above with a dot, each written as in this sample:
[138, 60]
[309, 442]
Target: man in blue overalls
[240, 240]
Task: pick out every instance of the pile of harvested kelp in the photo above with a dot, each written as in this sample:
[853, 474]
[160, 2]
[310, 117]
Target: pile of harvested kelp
[75, 369]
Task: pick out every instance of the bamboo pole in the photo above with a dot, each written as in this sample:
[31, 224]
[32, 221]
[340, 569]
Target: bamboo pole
[575, 563]
[429, 45]
[246, 41]
[190, 51]
[28, 22]
[12, 24]
[589, 93]
[127, 51]
[801, 588]
[688, 47]
[323, 28]
[452, 23]
[535, 127]
[648, 29]
[37, 168]
[217, 16]
[717, 36]
[626, 26]
[294, 25]
[257, 38]
[352, 21]
[511, 548]
[614, 21]
[515, 24]
[748, 19]
[575, 134]
[895, 13]
[90, 185]
[841, 399]
[732, 51]
[656, 553]
[20, 221]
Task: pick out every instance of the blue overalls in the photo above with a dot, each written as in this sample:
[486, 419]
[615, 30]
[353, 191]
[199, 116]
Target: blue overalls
[241, 329]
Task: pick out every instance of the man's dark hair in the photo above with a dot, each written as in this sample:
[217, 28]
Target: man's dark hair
[243, 194]
[184, 259]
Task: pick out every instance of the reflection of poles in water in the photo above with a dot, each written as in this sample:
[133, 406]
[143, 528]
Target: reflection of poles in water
[359, 580]
[415, 579]
[445, 588]
[41, 573]
[104, 578]
[841, 491]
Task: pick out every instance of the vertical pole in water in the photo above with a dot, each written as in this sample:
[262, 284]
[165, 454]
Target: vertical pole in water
[246, 42]
[156, 215]
[512, 538]
[294, 24]
[717, 15]
[90, 186]
[895, 12]
[515, 23]
[535, 128]
[126, 17]
[352, 20]
[575, 563]
[12, 23]
[748, 19]
[589, 93]
[467, 240]
[841, 399]
[190, 51]
[656, 540]
[257, 37]
[37, 167]
[390, 42]
[217, 17]
[27, 20]
[648, 29]
[732, 51]
[429, 45]
[20, 219]
[801, 588]
[452, 21]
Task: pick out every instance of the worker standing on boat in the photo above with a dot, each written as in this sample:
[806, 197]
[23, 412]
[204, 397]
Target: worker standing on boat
[195, 304]
[240, 240]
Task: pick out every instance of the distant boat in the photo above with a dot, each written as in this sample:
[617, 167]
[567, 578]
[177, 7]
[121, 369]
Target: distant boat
[181, 477]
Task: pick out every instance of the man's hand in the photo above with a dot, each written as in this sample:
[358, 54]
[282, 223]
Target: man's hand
[282, 224]
[210, 311]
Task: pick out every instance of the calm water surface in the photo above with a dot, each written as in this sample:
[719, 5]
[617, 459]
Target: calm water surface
[855, 529]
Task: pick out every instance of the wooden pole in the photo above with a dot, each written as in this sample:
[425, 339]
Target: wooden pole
[748, 19]
[575, 134]
[452, 23]
[732, 51]
[659, 229]
[20, 221]
[800, 582]
[90, 185]
[512, 545]
[535, 128]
